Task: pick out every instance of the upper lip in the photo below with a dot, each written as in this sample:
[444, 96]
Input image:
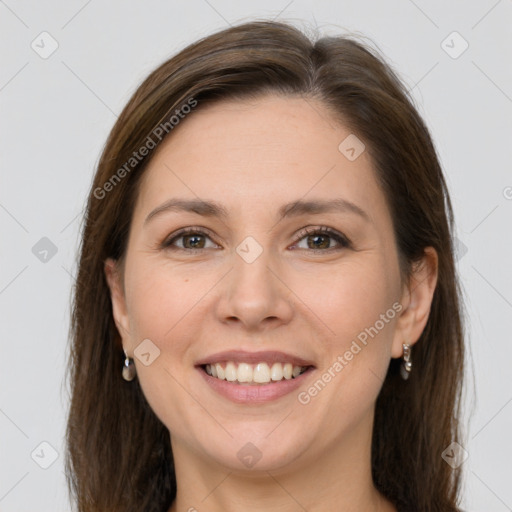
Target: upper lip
[242, 356]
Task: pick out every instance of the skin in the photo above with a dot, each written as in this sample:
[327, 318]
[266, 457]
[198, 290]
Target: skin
[253, 156]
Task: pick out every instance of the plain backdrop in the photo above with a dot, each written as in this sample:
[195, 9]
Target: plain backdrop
[68, 68]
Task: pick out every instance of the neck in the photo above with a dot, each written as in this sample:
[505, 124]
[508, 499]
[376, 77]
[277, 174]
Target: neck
[338, 479]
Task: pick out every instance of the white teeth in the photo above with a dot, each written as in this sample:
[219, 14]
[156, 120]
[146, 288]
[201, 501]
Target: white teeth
[244, 372]
[220, 371]
[277, 371]
[231, 374]
[260, 373]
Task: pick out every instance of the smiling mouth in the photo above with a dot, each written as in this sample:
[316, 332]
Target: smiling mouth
[251, 375]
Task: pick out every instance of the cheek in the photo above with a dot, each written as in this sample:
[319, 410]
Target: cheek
[344, 301]
[357, 308]
[163, 306]
[348, 299]
[355, 304]
[159, 298]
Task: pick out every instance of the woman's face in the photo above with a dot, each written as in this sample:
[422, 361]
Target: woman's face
[294, 262]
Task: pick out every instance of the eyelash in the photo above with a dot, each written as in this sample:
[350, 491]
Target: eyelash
[342, 240]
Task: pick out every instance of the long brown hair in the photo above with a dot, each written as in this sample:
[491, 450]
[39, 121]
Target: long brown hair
[119, 457]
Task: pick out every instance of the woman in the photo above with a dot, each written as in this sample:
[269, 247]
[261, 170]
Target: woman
[266, 312]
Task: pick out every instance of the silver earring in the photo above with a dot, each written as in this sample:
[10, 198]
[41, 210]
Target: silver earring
[406, 366]
[129, 370]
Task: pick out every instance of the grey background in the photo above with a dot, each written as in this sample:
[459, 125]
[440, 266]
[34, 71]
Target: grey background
[56, 114]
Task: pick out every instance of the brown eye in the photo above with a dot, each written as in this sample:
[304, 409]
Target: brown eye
[195, 241]
[188, 240]
[323, 239]
[318, 241]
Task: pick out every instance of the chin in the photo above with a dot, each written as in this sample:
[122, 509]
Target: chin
[253, 457]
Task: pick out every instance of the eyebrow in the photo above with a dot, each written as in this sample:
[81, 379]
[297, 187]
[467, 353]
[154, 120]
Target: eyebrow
[293, 209]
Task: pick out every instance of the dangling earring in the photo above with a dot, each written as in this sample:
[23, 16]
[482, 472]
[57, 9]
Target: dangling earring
[406, 366]
[129, 370]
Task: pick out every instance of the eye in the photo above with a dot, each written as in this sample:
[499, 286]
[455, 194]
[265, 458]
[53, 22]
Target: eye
[191, 239]
[320, 238]
[316, 238]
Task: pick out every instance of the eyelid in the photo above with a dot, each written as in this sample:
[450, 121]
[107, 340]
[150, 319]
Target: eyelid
[191, 230]
[341, 239]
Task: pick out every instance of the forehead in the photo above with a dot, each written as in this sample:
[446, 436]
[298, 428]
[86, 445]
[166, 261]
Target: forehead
[260, 151]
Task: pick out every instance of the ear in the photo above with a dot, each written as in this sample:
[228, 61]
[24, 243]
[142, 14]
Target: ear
[114, 279]
[416, 302]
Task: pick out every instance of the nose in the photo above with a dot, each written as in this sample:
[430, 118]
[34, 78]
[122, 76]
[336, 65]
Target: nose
[254, 294]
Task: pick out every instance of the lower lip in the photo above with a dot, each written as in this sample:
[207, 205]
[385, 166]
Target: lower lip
[254, 394]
